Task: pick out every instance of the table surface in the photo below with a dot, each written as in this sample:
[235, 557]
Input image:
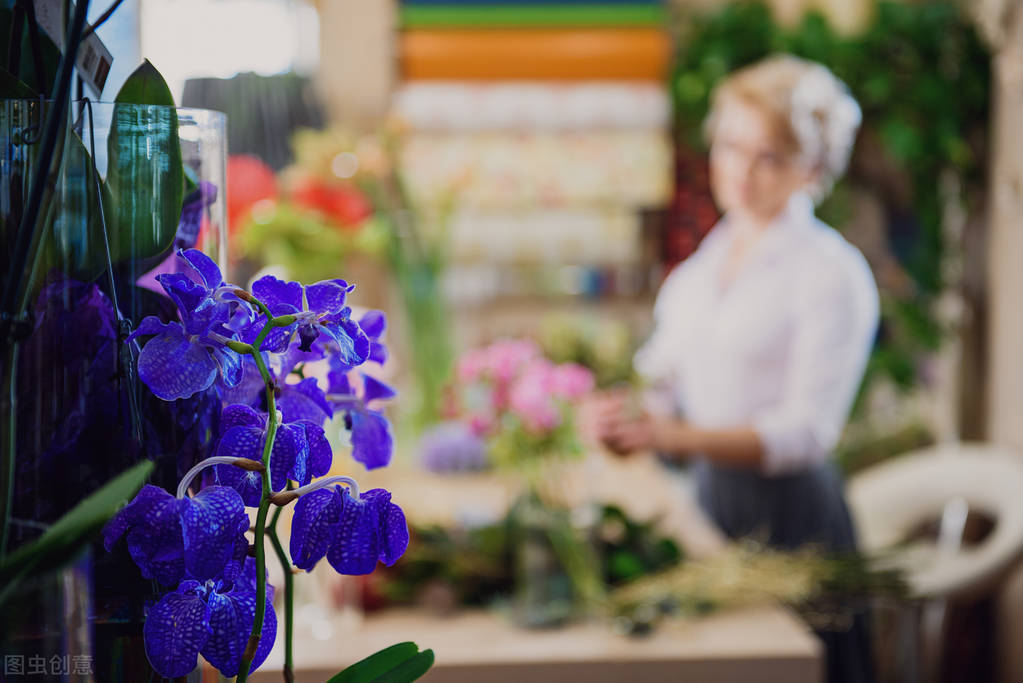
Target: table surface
[762, 644]
[767, 643]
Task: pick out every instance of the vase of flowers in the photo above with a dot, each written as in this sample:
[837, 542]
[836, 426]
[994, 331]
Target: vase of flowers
[521, 406]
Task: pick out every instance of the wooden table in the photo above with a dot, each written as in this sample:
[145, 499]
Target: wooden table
[761, 644]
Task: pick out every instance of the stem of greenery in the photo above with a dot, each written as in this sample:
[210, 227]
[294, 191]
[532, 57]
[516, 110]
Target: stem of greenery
[289, 598]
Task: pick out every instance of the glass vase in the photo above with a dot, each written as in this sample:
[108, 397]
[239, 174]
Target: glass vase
[129, 185]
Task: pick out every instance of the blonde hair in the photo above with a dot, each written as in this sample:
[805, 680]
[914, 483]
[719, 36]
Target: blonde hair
[809, 108]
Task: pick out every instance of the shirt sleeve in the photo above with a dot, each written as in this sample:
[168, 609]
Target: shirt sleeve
[835, 323]
[655, 360]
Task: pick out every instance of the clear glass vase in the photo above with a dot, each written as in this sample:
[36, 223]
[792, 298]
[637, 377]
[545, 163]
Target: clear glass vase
[131, 184]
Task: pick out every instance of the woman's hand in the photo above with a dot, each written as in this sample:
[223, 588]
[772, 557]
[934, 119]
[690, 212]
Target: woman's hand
[614, 421]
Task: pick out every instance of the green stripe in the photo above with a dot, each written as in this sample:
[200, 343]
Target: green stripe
[502, 16]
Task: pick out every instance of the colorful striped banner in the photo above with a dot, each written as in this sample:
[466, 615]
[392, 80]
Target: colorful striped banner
[530, 16]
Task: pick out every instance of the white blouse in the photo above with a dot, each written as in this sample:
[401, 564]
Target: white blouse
[782, 347]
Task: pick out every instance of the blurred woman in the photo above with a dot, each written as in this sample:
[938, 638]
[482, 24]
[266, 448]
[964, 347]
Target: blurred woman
[763, 334]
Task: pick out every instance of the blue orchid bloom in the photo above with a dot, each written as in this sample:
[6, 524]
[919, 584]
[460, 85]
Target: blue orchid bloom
[172, 538]
[212, 618]
[300, 452]
[184, 358]
[354, 532]
[302, 400]
[192, 208]
[320, 309]
[372, 441]
[374, 324]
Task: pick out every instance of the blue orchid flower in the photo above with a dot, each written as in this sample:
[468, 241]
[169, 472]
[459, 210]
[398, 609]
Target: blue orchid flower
[353, 532]
[192, 208]
[300, 452]
[184, 358]
[320, 309]
[372, 441]
[172, 538]
[212, 618]
[374, 324]
[302, 400]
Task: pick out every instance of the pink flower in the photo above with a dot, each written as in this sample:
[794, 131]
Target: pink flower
[472, 365]
[572, 381]
[532, 399]
[507, 357]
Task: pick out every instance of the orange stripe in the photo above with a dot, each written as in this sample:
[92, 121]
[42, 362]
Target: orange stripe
[619, 54]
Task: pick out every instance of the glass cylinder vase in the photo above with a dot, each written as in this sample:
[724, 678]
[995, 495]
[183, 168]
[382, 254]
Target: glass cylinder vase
[128, 186]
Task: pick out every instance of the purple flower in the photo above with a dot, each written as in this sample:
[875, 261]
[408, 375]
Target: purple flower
[185, 357]
[212, 618]
[374, 324]
[372, 441]
[452, 447]
[197, 201]
[320, 309]
[302, 400]
[300, 452]
[170, 538]
[354, 534]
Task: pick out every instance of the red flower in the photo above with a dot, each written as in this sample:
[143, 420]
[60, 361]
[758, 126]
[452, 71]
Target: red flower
[342, 204]
[249, 181]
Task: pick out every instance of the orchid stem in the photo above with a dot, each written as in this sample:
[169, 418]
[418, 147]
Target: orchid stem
[289, 598]
[264, 503]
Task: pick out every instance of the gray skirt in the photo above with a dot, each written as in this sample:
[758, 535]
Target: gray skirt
[787, 512]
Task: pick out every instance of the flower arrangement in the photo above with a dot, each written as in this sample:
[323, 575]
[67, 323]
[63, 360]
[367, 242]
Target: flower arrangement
[521, 403]
[517, 407]
[298, 221]
[249, 346]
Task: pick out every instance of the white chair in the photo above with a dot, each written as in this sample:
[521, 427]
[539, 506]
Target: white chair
[892, 500]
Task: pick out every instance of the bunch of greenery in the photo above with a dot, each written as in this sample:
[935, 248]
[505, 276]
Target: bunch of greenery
[476, 565]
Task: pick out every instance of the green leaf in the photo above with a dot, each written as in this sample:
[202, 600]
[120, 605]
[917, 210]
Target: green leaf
[145, 86]
[408, 670]
[62, 542]
[49, 55]
[74, 242]
[146, 173]
[396, 664]
[11, 88]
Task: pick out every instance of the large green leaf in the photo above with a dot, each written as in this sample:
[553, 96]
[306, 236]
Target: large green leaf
[399, 663]
[48, 53]
[71, 533]
[145, 172]
[11, 88]
[75, 243]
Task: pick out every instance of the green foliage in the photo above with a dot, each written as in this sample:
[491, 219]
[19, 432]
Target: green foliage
[69, 535]
[309, 248]
[516, 448]
[13, 88]
[922, 78]
[476, 565]
[631, 549]
[145, 172]
[602, 345]
[37, 83]
[399, 663]
[145, 169]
